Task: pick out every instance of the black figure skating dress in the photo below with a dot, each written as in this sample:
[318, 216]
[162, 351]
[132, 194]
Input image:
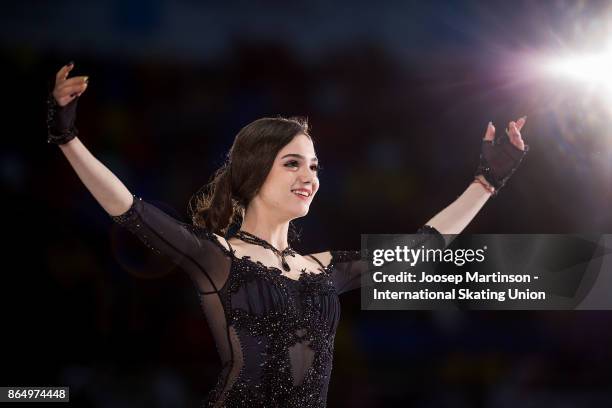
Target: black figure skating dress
[274, 334]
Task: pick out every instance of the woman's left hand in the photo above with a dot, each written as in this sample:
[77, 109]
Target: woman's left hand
[513, 131]
[501, 156]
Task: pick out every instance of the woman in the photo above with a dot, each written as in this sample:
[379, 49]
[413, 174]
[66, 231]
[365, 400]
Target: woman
[273, 312]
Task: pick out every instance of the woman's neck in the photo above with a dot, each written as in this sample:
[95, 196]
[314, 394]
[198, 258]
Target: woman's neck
[266, 227]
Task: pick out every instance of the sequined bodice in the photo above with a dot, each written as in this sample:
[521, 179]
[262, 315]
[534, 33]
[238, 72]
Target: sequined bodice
[288, 328]
[274, 334]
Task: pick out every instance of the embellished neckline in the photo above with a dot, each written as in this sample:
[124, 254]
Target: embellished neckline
[278, 272]
[255, 240]
[231, 252]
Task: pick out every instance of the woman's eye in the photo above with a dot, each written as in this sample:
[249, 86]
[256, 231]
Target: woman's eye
[294, 163]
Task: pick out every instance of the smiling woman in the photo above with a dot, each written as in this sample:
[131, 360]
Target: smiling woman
[272, 311]
[270, 161]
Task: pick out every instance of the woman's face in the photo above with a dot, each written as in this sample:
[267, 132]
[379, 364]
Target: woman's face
[292, 182]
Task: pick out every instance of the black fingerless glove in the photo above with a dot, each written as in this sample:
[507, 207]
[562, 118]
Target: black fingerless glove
[60, 121]
[499, 159]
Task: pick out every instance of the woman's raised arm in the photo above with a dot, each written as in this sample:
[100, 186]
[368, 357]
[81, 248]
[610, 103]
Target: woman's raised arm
[106, 188]
[196, 250]
[499, 159]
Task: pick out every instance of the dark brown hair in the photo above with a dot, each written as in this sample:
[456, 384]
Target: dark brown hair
[222, 202]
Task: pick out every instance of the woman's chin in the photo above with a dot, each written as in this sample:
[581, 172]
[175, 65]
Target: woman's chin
[300, 212]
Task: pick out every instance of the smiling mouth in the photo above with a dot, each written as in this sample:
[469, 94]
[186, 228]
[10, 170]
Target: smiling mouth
[304, 195]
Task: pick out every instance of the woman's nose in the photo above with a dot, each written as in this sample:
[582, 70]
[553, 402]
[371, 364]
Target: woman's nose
[307, 176]
[306, 180]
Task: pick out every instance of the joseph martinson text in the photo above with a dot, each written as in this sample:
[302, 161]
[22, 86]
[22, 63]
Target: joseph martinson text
[406, 279]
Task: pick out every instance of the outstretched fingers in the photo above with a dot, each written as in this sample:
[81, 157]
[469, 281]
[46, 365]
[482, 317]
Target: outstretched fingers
[490, 132]
[76, 84]
[514, 133]
[66, 89]
[62, 74]
[520, 122]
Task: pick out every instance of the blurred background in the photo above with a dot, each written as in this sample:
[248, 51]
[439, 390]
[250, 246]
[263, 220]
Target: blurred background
[398, 94]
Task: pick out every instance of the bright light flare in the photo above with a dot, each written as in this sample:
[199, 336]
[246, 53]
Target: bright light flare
[580, 76]
[591, 68]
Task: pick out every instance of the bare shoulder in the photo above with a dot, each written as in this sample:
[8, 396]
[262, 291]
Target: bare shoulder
[222, 241]
[323, 257]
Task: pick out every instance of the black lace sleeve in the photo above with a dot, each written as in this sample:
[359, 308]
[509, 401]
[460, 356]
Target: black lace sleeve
[192, 248]
[347, 267]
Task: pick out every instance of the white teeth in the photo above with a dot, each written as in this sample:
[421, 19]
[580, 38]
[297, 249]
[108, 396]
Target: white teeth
[302, 193]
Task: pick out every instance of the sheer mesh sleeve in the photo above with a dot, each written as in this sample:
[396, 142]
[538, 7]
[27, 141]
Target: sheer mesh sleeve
[347, 267]
[194, 249]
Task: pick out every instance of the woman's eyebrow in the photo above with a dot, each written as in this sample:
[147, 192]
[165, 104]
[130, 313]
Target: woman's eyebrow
[299, 156]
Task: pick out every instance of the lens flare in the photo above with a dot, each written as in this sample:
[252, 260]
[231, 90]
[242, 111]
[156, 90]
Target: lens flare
[593, 68]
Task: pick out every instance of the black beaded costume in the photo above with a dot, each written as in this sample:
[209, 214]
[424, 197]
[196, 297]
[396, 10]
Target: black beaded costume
[274, 334]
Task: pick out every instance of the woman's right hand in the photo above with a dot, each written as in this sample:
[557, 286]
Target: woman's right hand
[61, 106]
[67, 89]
